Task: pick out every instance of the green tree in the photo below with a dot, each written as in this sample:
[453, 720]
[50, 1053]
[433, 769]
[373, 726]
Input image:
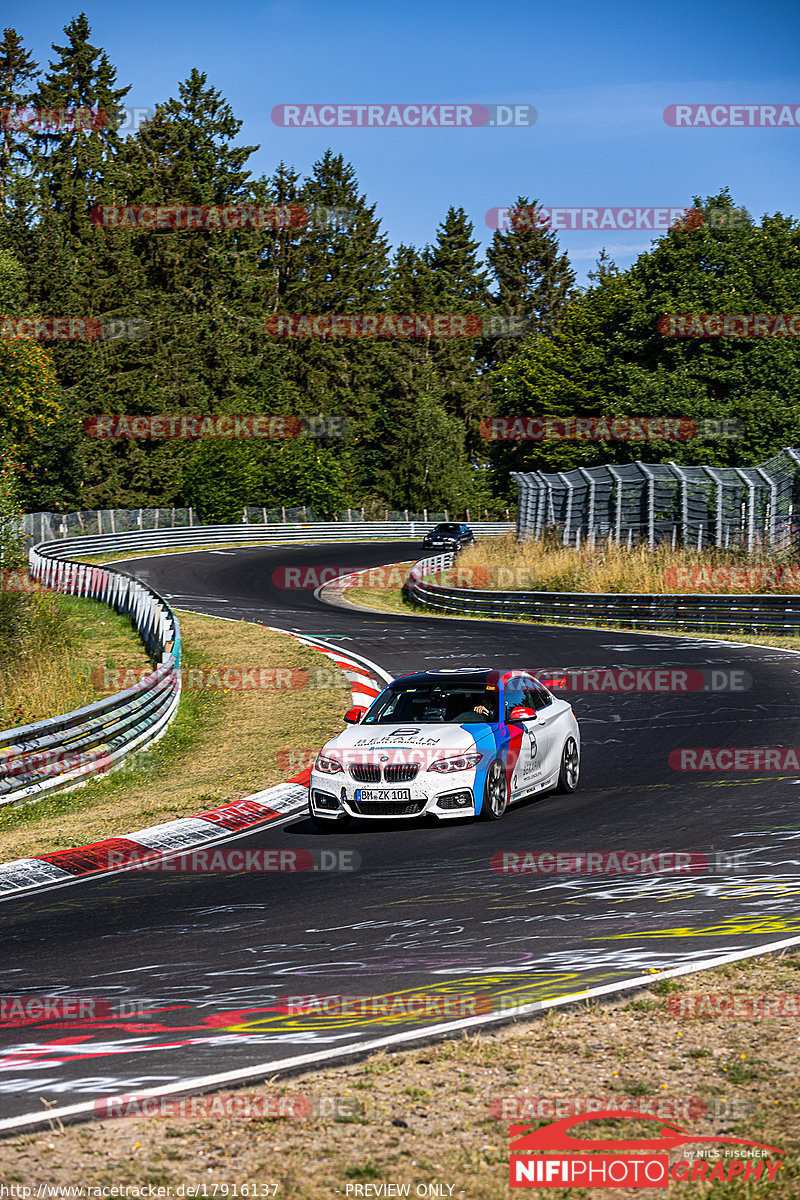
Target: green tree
[18, 72]
[532, 274]
[608, 358]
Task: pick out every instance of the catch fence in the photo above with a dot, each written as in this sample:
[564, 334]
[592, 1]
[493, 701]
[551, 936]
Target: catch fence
[664, 503]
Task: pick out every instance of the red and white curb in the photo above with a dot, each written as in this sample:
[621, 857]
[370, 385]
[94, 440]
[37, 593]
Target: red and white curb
[187, 833]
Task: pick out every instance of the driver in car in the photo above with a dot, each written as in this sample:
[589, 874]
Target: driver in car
[483, 709]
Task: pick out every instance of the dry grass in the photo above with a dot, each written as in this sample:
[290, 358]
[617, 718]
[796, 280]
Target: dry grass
[57, 678]
[505, 564]
[221, 746]
[423, 1116]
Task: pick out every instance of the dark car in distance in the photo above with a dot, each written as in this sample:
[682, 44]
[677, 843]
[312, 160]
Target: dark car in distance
[449, 535]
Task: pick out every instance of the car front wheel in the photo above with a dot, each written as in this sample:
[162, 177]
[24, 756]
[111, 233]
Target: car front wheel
[570, 767]
[495, 793]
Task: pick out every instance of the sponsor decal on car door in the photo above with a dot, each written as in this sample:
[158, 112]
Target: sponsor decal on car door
[523, 748]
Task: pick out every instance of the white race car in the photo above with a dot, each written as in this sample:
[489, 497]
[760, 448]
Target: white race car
[457, 743]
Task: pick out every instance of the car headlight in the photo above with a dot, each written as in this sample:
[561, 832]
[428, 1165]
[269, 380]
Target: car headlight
[455, 762]
[328, 765]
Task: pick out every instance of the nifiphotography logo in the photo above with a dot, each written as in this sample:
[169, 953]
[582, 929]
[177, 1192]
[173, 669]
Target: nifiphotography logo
[638, 1161]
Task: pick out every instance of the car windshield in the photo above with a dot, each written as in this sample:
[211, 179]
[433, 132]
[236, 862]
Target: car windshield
[432, 703]
[447, 529]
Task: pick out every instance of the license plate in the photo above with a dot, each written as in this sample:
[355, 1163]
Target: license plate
[383, 794]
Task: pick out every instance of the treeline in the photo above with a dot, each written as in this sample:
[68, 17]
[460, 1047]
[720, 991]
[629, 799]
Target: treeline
[412, 408]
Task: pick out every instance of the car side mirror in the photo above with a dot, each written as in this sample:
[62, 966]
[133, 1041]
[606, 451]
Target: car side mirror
[354, 715]
[521, 713]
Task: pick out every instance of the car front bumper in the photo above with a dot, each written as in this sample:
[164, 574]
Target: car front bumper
[443, 796]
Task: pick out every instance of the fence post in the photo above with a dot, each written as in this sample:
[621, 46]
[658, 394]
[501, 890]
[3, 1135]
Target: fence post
[684, 501]
[720, 503]
[773, 506]
[590, 483]
[618, 520]
[568, 514]
[751, 509]
[651, 503]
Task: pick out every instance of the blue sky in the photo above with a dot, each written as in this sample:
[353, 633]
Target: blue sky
[599, 75]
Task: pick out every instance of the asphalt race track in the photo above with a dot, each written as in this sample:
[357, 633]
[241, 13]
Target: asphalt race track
[201, 960]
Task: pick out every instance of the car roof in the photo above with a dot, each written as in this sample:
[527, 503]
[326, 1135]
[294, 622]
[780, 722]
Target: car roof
[476, 676]
[473, 676]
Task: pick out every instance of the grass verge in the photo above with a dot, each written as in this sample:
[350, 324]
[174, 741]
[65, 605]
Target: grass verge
[53, 675]
[222, 745]
[393, 600]
[423, 1116]
[548, 565]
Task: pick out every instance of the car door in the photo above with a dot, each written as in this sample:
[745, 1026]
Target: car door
[537, 748]
[548, 724]
[523, 743]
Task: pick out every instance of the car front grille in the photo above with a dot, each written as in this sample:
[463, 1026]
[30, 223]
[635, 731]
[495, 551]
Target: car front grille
[400, 772]
[388, 808]
[394, 773]
[366, 772]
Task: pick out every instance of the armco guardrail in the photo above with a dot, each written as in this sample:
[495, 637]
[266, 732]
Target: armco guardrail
[716, 613]
[210, 535]
[67, 750]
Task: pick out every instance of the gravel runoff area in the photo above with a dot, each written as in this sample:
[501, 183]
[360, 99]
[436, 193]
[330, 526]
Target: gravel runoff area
[438, 1116]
